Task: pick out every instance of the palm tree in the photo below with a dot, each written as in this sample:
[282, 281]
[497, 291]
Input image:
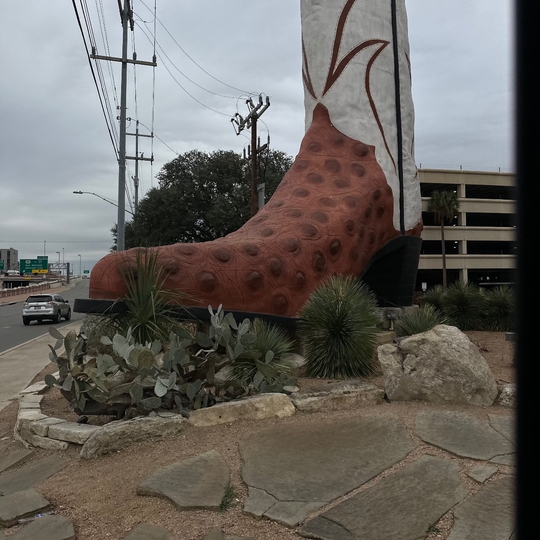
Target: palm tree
[445, 205]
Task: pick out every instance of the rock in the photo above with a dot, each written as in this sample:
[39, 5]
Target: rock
[42, 442]
[507, 396]
[462, 434]
[121, 433]
[215, 534]
[47, 528]
[488, 514]
[149, 532]
[41, 427]
[21, 504]
[251, 408]
[72, 432]
[438, 366]
[401, 506]
[37, 388]
[481, 473]
[18, 457]
[335, 396]
[27, 416]
[30, 474]
[195, 483]
[289, 473]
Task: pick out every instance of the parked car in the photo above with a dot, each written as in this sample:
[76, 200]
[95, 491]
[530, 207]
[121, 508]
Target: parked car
[39, 307]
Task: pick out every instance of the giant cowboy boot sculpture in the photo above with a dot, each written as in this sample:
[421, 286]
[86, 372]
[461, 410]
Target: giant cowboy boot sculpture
[350, 203]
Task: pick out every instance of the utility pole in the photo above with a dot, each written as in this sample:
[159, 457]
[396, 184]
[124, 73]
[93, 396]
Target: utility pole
[250, 122]
[137, 159]
[126, 17]
[261, 185]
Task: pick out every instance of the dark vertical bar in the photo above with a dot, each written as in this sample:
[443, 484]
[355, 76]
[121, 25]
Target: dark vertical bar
[526, 107]
[398, 115]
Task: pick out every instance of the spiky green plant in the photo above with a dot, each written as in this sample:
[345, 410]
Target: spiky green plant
[150, 304]
[500, 305]
[268, 337]
[463, 305]
[433, 297]
[339, 326]
[419, 320]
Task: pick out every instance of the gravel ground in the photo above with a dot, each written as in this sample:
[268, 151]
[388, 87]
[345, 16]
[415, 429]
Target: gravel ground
[99, 495]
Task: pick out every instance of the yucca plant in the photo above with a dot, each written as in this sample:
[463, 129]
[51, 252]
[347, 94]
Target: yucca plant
[150, 313]
[339, 327]
[500, 306]
[268, 338]
[463, 305]
[419, 320]
[433, 297]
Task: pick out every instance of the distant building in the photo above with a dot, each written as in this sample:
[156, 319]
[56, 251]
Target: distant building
[11, 259]
[480, 243]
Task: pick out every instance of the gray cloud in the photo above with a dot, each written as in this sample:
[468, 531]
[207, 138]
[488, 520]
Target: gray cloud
[53, 137]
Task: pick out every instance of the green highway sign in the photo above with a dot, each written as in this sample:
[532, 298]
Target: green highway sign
[86, 271]
[43, 257]
[33, 266]
[1, 265]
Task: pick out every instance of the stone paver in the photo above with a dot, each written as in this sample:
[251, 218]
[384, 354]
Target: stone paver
[218, 534]
[30, 474]
[481, 473]
[487, 515]
[462, 434]
[505, 425]
[149, 532]
[18, 457]
[195, 483]
[21, 504]
[47, 528]
[304, 467]
[401, 506]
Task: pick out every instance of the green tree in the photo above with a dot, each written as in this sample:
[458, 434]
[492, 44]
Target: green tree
[200, 196]
[444, 205]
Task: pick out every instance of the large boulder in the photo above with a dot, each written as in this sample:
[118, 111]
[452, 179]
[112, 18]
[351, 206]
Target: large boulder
[438, 366]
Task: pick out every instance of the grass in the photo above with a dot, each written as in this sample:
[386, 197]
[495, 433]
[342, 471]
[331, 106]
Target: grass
[339, 326]
[229, 499]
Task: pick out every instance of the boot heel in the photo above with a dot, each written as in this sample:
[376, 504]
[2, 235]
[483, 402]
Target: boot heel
[391, 273]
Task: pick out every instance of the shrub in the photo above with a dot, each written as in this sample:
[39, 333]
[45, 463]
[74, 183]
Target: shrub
[419, 320]
[150, 305]
[270, 346]
[339, 326]
[463, 305]
[142, 378]
[433, 297]
[500, 304]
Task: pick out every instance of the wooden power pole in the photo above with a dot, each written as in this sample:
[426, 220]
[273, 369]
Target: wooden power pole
[250, 122]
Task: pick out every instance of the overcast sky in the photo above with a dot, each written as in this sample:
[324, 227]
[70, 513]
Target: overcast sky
[211, 54]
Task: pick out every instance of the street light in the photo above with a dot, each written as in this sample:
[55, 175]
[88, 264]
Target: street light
[102, 198]
[58, 257]
[80, 266]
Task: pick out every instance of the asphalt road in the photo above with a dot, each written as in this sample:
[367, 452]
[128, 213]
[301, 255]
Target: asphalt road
[12, 330]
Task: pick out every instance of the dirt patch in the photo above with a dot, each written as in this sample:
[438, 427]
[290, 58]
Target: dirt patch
[99, 495]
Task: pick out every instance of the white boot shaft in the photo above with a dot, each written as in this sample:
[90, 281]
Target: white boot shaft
[349, 66]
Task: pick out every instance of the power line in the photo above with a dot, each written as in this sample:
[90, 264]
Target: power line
[200, 67]
[103, 108]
